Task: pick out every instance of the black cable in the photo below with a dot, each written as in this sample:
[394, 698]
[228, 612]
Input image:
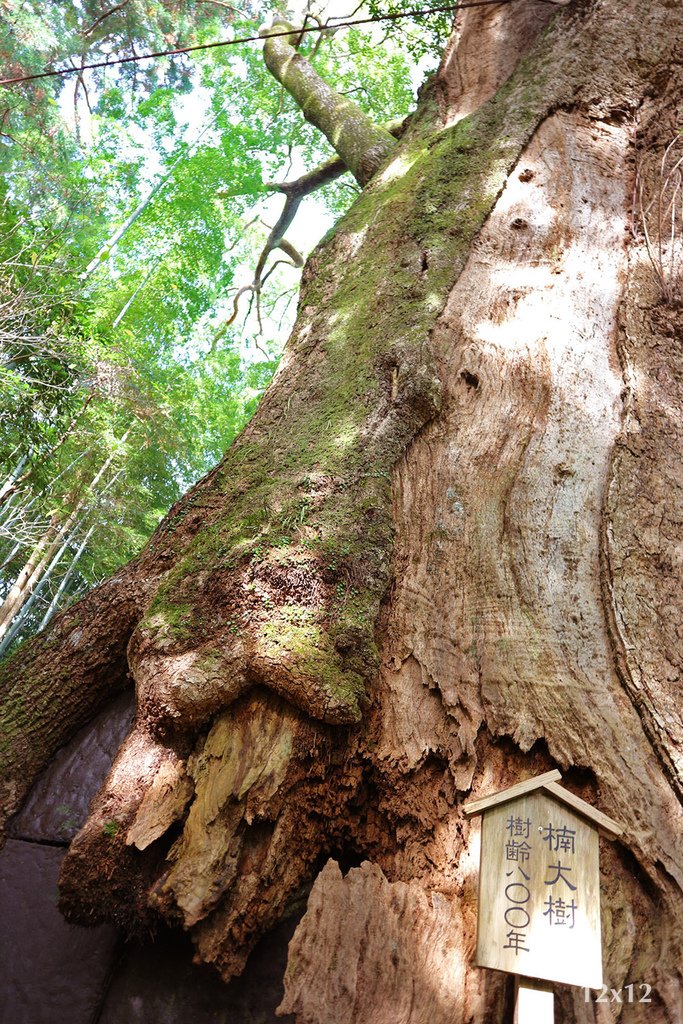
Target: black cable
[453, 7]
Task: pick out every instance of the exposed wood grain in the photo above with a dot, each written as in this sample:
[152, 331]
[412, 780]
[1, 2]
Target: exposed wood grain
[162, 804]
[643, 527]
[610, 828]
[397, 955]
[502, 610]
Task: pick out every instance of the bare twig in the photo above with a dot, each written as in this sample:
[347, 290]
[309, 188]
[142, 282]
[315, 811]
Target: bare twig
[294, 192]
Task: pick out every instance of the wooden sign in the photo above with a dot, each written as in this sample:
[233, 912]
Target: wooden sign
[539, 883]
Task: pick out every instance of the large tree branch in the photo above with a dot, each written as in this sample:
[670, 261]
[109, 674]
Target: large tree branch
[328, 171]
[294, 192]
[362, 145]
[311, 181]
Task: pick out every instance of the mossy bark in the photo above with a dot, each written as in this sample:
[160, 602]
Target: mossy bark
[402, 581]
[363, 145]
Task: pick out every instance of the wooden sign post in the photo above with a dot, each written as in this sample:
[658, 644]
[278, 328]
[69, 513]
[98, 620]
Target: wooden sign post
[539, 890]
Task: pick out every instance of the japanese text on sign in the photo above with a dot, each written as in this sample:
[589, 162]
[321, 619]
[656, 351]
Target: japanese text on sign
[518, 845]
[539, 900]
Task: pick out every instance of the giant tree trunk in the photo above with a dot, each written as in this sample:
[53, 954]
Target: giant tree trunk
[445, 555]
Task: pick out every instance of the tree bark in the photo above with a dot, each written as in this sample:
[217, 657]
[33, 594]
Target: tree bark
[441, 558]
[363, 145]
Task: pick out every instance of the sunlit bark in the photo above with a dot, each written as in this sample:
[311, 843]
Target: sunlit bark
[442, 557]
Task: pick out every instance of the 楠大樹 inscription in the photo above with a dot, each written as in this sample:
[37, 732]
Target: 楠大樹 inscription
[539, 887]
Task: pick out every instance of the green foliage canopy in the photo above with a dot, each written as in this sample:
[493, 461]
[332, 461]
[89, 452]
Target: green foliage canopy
[134, 202]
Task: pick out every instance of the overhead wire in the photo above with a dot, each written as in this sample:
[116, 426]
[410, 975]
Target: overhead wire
[393, 16]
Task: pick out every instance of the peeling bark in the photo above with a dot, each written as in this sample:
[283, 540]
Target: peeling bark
[442, 557]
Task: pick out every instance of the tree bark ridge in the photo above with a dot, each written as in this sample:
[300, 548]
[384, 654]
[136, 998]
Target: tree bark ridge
[450, 399]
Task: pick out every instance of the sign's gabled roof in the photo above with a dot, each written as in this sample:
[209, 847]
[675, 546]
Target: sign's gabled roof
[608, 826]
[548, 783]
[477, 806]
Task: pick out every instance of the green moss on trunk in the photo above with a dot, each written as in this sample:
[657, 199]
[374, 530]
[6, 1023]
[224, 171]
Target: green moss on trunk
[305, 514]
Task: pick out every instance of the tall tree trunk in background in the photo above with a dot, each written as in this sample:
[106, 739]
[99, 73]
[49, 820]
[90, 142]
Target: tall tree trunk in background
[29, 574]
[66, 579]
[9, 484]
[444, 556]
[10, 629]
[49, 543]
[17, 478]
